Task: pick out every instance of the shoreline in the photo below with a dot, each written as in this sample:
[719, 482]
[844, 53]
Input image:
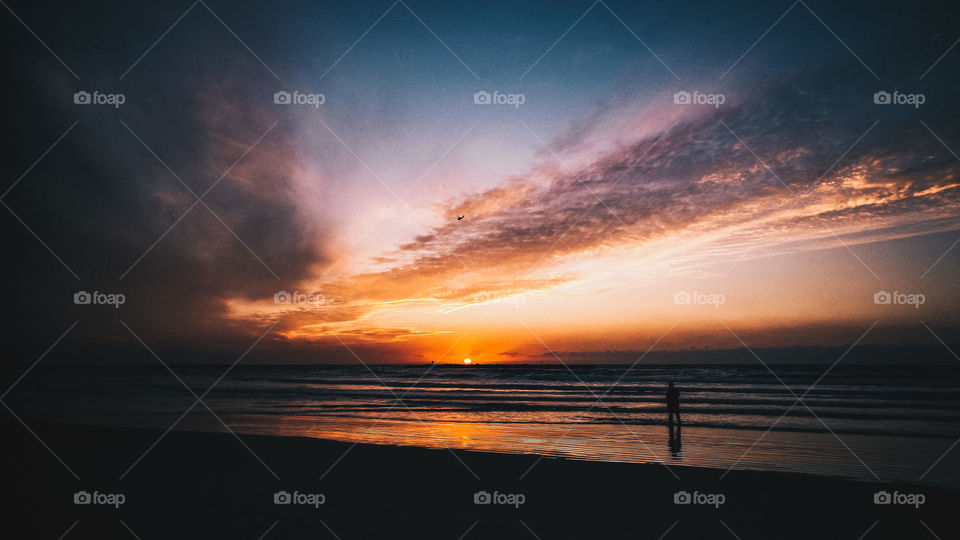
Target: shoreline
[885, 458]
[202, 484]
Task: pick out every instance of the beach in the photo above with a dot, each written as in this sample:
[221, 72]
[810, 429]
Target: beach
[205, 485]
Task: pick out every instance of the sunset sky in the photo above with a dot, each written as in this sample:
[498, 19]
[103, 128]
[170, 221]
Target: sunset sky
[590, 209]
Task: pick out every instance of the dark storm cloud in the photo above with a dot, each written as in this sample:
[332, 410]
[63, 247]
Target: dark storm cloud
[101, 200]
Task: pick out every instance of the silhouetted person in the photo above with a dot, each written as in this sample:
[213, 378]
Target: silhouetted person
[673, 404]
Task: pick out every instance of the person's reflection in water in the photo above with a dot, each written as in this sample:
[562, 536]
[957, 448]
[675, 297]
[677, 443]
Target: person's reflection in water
[675, 441]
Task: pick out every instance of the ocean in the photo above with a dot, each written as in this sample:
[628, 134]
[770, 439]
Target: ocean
[889, 423]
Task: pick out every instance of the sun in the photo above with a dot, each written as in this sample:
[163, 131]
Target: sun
[467, 360]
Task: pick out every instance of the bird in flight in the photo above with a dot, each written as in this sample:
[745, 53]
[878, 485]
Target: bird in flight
[460, 217]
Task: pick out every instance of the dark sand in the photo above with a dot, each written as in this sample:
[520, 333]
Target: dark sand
[207, 485]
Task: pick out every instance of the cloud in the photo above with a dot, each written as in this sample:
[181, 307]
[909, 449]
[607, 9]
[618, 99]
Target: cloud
[778, 171]
[774, 170]
[101, 200]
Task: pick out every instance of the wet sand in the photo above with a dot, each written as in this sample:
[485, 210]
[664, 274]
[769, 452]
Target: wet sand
[211, 485]
[905, 459]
